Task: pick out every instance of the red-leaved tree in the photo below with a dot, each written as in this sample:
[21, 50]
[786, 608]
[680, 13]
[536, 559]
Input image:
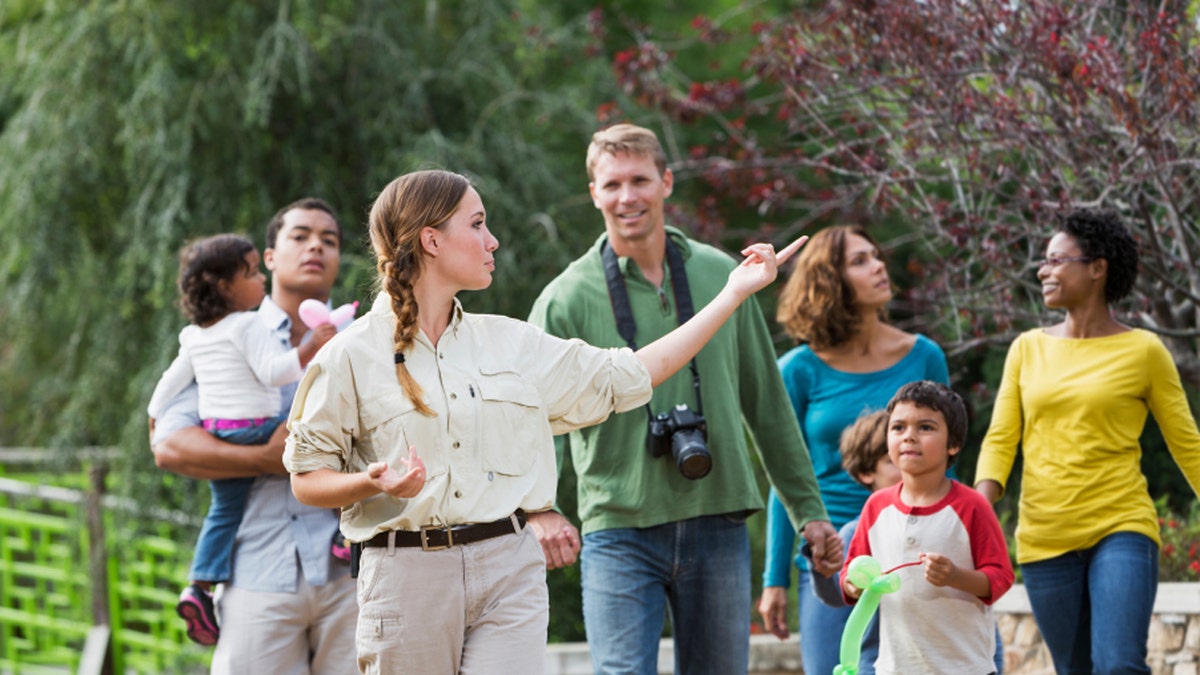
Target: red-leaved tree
[973, 122]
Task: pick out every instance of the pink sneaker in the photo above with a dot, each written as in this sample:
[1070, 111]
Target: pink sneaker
[196, 608]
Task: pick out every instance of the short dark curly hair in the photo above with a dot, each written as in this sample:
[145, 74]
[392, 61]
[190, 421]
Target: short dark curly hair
[203, 264]
[303, 204]
[1101, 233]
[939, 397]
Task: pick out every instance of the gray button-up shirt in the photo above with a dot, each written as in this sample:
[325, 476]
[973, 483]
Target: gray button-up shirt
[279, 537]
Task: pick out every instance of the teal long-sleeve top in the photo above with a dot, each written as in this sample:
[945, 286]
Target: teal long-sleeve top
[826, 401]
[620, 484]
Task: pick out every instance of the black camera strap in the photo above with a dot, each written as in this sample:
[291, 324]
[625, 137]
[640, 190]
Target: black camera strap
[623, 311]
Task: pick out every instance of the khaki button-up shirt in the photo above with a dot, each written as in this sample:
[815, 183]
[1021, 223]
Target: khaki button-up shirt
[500, 388]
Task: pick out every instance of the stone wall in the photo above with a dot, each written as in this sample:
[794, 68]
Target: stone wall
[1174, 645]
[1174, 641]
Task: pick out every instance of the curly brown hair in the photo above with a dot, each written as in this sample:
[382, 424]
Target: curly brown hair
[203, 265]
[817, 305]
[406, 206]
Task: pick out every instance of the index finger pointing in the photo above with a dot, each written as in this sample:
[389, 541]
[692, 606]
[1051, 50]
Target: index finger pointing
[786, 253]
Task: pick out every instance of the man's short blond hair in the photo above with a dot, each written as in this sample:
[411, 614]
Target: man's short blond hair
[625, 138]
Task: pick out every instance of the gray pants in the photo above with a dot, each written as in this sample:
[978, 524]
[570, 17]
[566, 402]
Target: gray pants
[473, 609]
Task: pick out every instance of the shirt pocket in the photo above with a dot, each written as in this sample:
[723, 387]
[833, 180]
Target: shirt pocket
[512, 421]
[390, 423]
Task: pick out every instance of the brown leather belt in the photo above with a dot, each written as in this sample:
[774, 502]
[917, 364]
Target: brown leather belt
[436, 538]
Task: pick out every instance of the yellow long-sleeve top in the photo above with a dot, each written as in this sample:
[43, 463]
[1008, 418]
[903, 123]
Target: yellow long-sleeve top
[1076, 408]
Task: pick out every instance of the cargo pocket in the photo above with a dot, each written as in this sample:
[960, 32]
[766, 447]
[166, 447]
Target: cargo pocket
[390, 424]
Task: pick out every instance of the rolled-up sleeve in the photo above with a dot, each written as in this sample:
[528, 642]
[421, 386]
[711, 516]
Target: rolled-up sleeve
[583, 384]
[323, 421]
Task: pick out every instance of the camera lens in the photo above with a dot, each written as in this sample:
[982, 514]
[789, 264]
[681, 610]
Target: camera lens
[691, 455]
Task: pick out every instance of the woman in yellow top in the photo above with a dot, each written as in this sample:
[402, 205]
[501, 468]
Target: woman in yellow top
[1074, 398]
[451, 580]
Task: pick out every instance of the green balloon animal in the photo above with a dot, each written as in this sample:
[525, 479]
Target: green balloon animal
[866, 573]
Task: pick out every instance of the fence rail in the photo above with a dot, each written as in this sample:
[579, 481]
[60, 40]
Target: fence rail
[80, 590]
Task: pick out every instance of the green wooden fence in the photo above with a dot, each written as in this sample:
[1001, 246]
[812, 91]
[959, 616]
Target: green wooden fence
[66, 568]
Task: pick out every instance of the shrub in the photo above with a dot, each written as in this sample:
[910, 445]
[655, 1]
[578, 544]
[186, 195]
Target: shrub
[1179, 558]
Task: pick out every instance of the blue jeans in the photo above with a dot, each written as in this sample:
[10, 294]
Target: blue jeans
[698, 568]
[1093, 606]
[821, 632]
[212, 561]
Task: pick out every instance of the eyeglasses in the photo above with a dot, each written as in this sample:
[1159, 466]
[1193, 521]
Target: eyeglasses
[1055, 262]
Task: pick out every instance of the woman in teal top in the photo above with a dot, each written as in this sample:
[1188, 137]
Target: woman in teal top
[852, 363]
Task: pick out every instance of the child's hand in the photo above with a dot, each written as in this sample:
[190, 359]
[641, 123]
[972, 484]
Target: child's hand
[322, 334]
[834, 553]
[826, 546]
[853, 592]
[392, 482]
[939, 570]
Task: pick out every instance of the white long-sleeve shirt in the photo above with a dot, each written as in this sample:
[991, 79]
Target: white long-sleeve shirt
[238, 365]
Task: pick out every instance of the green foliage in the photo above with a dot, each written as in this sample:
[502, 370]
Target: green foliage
[128, 128]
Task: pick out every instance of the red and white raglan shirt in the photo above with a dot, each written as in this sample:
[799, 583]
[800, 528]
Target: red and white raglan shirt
[924, 628]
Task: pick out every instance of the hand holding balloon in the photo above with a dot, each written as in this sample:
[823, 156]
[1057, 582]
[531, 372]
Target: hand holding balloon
[865, 574]
[314, 313]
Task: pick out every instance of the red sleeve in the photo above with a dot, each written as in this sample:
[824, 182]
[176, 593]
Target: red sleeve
[988, 547]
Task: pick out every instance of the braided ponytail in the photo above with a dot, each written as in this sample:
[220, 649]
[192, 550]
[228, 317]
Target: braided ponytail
[407, 205]
[397, 282]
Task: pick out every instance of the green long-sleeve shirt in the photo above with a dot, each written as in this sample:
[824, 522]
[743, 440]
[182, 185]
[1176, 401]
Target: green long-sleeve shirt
[620, 484]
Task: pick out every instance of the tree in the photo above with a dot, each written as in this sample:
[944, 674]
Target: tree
[129, 128]
[972, 122]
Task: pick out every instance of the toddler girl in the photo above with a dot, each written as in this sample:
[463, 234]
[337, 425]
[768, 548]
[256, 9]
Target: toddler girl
[238, 366]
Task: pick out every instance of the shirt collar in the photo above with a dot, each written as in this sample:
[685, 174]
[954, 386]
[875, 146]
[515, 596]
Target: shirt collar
[681, 240]
[383, 304]
[272, 315]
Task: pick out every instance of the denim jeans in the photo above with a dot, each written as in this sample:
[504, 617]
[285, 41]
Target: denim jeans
[698, 569]
[821, 632]
[214, 547]
[1093, 606]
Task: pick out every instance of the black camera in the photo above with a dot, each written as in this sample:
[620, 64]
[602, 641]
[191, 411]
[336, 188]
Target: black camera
[682, 432]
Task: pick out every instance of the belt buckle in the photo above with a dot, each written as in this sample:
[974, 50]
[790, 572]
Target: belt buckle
[425, 546]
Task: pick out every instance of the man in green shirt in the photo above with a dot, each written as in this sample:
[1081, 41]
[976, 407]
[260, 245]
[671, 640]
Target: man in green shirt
[653, 537]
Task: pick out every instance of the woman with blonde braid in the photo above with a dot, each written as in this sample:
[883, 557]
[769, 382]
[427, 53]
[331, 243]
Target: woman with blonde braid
[431, 428]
